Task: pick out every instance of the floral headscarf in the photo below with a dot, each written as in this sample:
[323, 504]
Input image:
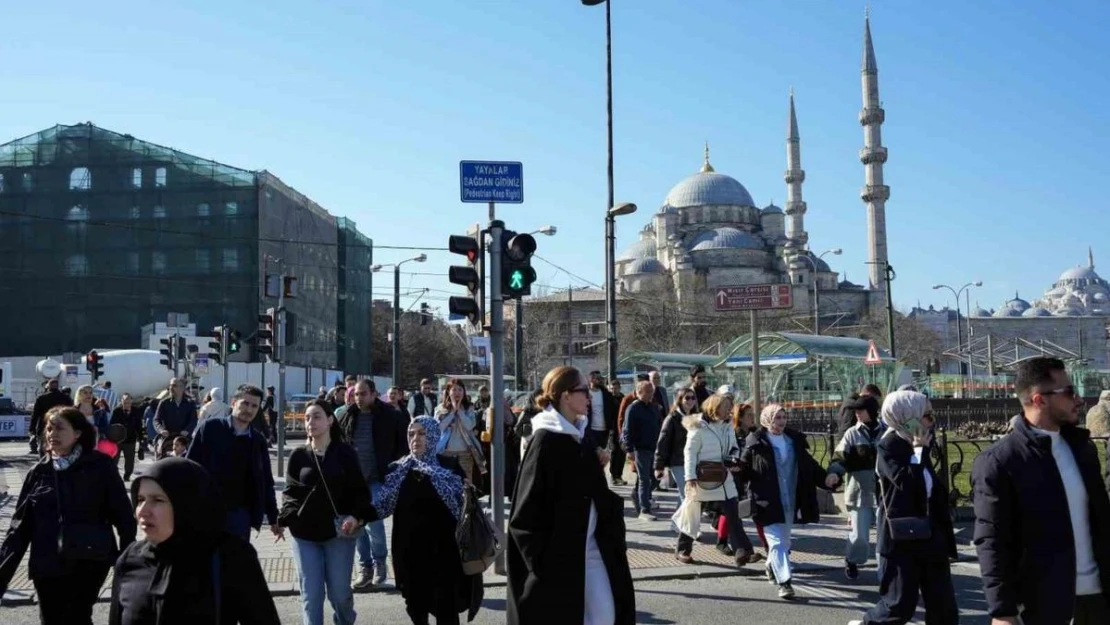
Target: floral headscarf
[768, 415]
[447, 484]
[903, 412]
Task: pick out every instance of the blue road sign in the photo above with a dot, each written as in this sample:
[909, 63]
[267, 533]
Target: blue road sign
[491, 181]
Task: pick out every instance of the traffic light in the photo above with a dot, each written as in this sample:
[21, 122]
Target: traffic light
[94, 364]
[517, 274]
[471, 276]
[266, 332]
[217, 348]
[168, 351]
[233, 342]
[424, 313]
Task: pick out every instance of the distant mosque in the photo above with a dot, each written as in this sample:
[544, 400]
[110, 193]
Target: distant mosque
[709, 232]
[1079, 292]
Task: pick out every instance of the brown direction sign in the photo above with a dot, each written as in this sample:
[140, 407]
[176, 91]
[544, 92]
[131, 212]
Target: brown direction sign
[753, 297]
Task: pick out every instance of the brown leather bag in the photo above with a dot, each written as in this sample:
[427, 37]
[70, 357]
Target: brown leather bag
[711, 475]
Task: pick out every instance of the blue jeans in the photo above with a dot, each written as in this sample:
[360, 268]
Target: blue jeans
[858, 549]
[372, 546]
[678, 474]
[326, 565]
[641, 491]
[238, 522]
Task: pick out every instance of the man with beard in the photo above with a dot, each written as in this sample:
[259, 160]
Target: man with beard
[237, 458]
[1042, 517]
[697, 382]
[424, 402]
[603, 423]
[50, 398]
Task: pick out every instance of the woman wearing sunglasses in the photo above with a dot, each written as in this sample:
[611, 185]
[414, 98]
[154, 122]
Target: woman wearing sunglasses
[669, 452]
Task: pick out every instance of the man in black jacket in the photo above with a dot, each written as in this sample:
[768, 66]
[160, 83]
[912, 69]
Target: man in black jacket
[175, 416]
[603, 423]
[379, 435]
[43, 403]
[237, 458]
[424, 402]
[641, 431]
[1042, 516]
[130, 417]
[697, 382]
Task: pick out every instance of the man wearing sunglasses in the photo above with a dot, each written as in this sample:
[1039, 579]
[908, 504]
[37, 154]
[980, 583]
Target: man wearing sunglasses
[1042, 516]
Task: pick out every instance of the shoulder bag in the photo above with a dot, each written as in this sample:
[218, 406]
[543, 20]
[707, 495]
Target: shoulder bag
[338, 518]
[906, 528]
[711, 474]
[475, 535]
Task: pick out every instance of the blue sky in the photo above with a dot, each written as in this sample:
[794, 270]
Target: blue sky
[996, 116]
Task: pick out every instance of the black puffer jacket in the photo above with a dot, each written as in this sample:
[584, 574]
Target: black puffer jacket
[89, 494]
[305, 507]
[670, 451]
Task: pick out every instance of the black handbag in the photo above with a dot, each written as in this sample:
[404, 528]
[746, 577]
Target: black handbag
[475, 535]
[907, 528]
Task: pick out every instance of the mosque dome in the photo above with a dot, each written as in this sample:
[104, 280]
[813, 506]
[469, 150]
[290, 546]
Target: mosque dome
[707, 188]
[771, 209]
[1036, 311]
[667, 209]
[725, 238]
[980, 312]
[1068, 312]
[1079, 273]
[644, 248]
[645, 265]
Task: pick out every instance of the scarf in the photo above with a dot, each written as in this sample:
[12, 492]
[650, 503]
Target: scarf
[768, 415]
[62, 463]
[903, 412]
[447, 484]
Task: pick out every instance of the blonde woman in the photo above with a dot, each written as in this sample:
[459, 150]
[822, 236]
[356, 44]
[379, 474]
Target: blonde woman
[711, 449]
[782, 482]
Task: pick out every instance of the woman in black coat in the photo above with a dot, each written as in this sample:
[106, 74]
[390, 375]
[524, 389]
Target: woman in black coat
[567, 556]
[910, 489]
[69, 503]
[670, 450]
[187, 569]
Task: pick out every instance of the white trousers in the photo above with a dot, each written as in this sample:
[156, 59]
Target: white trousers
[778, 550]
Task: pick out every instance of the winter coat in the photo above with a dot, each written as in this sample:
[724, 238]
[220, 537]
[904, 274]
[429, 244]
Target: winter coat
[1023, 525]
[306, 508]
[212, 447]
[175, 582]
[670, 451]
[559, 478]
[641, 426]
[425, 552]
[171, 418]
[1098, 417]
[43, 404]
[855, 457]
[759, 470]
[88, 499]
[214, 409]
[130, 419]
[902, 494]
[709, 441]
[390, 433]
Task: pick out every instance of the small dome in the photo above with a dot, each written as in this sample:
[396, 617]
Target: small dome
[1099, 297]
[725, 238]
[980, 312]
[844, 284]
[1068, 312]
[771, 209]
[1079, 273]
[1008, 312]
[1036, 312]
[709, 188]
[1017, 304]
[822, 266]
[645, 265]
[644, 248]
[667, 209]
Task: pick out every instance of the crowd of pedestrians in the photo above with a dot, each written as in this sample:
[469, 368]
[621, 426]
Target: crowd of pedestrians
[180, 548]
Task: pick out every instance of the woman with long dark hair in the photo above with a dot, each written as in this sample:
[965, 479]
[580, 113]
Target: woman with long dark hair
[69, 504]
[567, 556]
[424, 493]
[670, 450]
[325, 504]
[457, 422]
[187, 569]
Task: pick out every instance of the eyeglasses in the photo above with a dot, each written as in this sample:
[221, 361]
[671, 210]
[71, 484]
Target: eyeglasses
[585, 390]
[1067, 391]
[689, 398]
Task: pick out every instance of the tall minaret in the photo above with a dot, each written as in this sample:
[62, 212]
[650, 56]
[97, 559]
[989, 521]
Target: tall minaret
[873, 155]
[796, 237]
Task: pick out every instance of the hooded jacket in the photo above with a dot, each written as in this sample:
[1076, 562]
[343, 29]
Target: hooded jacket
[560, 486]
[200, 574]
[855, 457]
[215, 408]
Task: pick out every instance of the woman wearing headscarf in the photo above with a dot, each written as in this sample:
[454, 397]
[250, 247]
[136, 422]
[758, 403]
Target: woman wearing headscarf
[854, 457]
[910, 489]
[187, 569]
[424, 493]
[567, 557]
[782, 481]
[214, 407]
[670, 450]
[743, 423]
[69, 504]
[325, 504]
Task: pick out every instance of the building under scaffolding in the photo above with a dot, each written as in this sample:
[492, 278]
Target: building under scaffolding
[102, 233]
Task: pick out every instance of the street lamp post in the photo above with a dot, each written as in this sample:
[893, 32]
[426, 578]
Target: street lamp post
[396, 365]
[959, 325]
[627, 208]
[518, 331]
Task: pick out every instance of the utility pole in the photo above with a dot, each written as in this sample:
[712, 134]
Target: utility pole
[518, 345]
[279, 347]
[397, 325]
[890, 310]
[497, 383]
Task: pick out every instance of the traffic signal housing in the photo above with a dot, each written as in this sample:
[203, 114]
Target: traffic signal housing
[217, 348]
[471, 276]
[517, 274]
[168, 352]
[94, 364]
[234, 342]
[424, 313]
[266, 332]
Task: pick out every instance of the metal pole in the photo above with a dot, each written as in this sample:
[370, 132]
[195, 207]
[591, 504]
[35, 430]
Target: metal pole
[970, 362]
[497, 388]
[817, 327]
[518, 346]
[890, 310]
[755, 401]
[397, 325]
[610, 237]
[223, 356]
[280, 403]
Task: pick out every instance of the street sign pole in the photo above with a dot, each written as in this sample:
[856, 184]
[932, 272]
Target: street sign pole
[755, 401]
[279, 342]
[223, 358]
[497, 385]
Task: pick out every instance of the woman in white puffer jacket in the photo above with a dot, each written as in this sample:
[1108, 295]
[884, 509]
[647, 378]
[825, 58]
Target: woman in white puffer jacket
[710, 439]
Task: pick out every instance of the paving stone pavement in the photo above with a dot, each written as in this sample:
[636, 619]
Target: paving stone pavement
[650, 543]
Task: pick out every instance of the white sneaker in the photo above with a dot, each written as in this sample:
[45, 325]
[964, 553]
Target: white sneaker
[855, 622]
[645, 516]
